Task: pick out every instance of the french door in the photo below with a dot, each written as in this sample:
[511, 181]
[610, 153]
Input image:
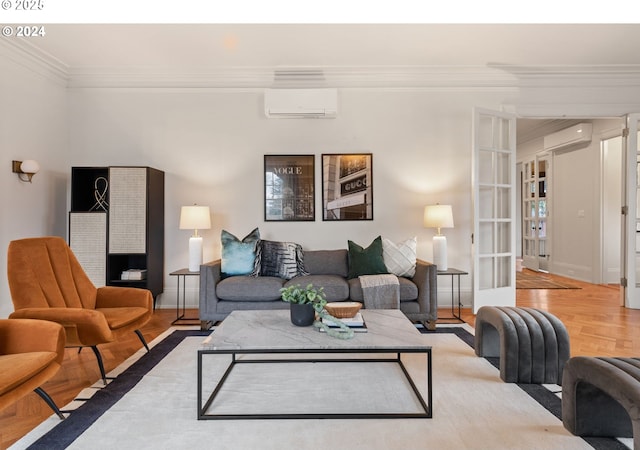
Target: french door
[631, 215]
[535, 210]
[494, 208]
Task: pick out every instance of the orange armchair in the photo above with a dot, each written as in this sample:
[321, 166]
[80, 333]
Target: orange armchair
[47, 282]
[31, 352]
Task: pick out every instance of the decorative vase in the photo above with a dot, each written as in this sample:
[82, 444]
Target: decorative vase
[302, 315]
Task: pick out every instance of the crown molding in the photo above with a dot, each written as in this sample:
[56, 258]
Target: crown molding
[472, 78]
[21, 52]
[434, 77]
[576, 76]
[277, 77]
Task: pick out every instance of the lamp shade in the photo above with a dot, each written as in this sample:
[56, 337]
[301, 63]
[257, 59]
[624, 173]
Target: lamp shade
[195, 218]
[438, 216]
[30, 166]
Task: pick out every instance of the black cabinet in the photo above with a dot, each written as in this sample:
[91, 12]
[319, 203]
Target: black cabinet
[116, 225]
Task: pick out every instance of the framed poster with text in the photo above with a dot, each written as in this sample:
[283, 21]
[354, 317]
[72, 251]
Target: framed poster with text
[289, 193]
[347, 186]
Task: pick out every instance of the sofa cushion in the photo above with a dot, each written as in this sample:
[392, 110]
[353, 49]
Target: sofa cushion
[279, 259]
[248, 288]
[238, 256]
[366, 261]
[20, 367]
[408, 290]
[400, 258]
[326, 262]
[335, 287]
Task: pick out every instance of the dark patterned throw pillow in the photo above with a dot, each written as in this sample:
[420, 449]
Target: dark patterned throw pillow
[279, 259]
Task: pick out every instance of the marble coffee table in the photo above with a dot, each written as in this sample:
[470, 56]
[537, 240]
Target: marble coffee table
[251, 343]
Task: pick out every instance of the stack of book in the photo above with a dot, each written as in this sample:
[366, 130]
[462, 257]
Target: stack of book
[134, 274]
[356, 323]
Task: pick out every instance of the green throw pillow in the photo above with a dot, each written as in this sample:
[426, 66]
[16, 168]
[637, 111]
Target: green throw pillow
[366, 261]
[238, 256]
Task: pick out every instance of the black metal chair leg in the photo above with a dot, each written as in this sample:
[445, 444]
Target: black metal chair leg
[100, 364]
[144, 342]
[41, 392]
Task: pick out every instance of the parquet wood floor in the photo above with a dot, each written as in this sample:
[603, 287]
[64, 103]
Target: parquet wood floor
[597, 326]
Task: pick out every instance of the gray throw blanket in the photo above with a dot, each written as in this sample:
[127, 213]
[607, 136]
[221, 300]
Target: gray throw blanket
[380, 291]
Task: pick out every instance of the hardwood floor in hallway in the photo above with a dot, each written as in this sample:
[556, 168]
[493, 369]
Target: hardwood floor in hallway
[597, 326]
[596, 322]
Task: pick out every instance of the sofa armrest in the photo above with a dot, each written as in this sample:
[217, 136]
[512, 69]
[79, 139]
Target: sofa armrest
[210, 276]
[30, 335]
[91, 326]
[120, 296]
[426, 279]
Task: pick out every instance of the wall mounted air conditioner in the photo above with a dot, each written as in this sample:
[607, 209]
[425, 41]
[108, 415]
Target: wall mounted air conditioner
[570, 138]
[301, 103]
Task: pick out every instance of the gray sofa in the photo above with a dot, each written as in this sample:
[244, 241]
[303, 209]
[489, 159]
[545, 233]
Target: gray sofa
[327, 269]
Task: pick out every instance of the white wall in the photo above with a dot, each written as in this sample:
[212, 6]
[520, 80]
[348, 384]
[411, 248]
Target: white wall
[211, 144]
[33, 125]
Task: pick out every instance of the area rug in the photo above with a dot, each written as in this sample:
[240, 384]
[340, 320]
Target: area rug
[535, 280]
[152, 404]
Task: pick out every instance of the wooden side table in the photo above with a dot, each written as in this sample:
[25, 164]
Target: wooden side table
[453, 273]
[180, 317]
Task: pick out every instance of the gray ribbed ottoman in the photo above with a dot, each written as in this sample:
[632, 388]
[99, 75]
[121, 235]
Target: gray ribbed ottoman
[601, 397]
[533, 345]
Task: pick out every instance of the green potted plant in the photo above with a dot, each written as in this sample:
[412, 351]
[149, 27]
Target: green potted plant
[305, 303]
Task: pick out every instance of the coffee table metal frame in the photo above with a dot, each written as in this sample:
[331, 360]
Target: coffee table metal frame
[426, 413]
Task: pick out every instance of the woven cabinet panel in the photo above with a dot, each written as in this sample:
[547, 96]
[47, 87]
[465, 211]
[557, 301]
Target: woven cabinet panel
[88, 241]
[127, 209]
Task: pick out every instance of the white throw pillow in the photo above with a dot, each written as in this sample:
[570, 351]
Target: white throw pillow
[400, 259]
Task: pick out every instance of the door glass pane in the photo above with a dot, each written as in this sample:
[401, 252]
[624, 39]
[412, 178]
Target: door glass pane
[503, 140]
[485, 273]
[503, 200]
[503, 168]
[532, 209]
[542, 251]
[485, 132]
[503, 237]
[542, 208]
[485, 203]
[542, 169]
[542, 228]
[486, 167]
[503, 271]
[485, 239]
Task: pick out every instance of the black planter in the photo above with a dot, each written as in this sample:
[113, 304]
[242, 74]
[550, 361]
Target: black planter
[302, 315]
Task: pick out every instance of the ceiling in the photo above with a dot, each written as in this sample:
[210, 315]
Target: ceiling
[193, 48]
[188, 55]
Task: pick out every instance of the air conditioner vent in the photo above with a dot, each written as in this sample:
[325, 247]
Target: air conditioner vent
[301, 103]
[570, 138]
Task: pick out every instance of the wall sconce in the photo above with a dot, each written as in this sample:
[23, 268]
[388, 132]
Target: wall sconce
[195, 218]
[26, 169]
[439, 216]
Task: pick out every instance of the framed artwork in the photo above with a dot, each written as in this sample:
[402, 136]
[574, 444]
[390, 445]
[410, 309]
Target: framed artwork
[347, 186]
[289, 188]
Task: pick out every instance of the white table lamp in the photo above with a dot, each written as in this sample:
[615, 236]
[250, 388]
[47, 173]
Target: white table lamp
[439, 216]
[196, 218]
